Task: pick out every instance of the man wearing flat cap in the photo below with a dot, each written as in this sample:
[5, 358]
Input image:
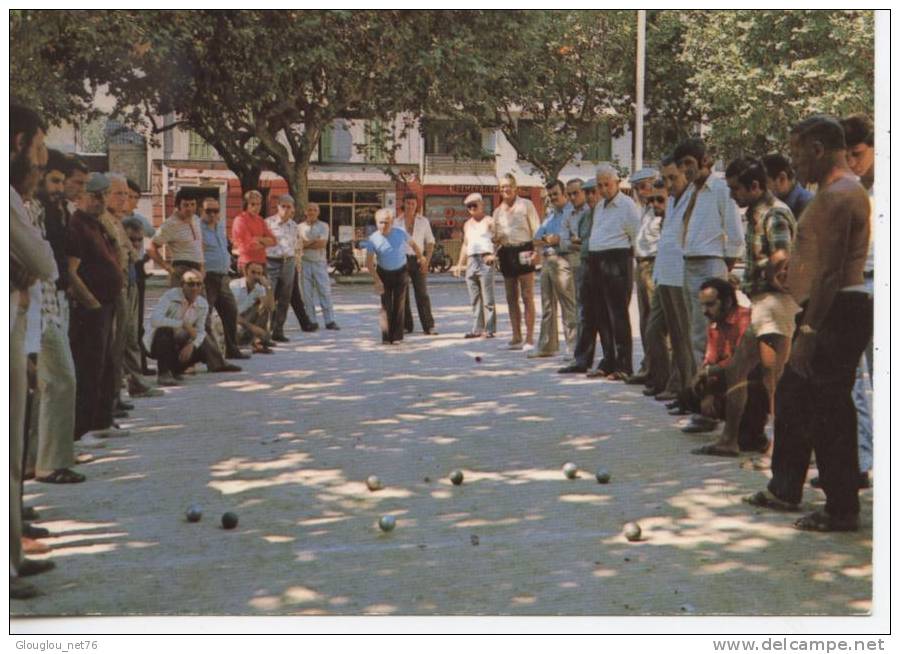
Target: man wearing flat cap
[280, 262]
[477, 256]
[643, 185]
[96, 281]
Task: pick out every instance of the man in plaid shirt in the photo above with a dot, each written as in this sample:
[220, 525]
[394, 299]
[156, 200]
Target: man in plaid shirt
[769, 237]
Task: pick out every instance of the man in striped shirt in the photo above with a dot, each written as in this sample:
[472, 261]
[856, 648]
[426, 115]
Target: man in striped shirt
[181, 235]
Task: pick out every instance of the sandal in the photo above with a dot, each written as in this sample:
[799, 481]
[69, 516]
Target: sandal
[714, 449]
[617, 376]
[62, 476]
[821, 521]
[766, 500]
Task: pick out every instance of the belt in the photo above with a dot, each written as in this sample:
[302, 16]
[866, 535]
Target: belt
[643, 259]
[282, 259]
[187, 264]
[702, 257]
[868, 274]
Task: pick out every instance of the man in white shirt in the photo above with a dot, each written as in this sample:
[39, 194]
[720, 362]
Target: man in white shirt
[477, 255]
[177, 337]
[313, 234]
[609, 276]
[419, 230]
[255, 304]
[280, 262]
[642, 183]
[712, 238]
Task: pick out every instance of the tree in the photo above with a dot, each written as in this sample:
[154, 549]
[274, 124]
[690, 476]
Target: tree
[757, 73]
[542, 77]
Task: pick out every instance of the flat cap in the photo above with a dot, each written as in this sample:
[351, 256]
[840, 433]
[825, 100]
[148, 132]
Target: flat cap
[97, 183]
[589, 183]
[473, 197]
[642, 174]
[287, 198]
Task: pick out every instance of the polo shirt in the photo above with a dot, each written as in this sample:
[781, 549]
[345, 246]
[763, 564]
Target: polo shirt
[390, 250]
[616, 224]
[246, 227]
[215, 247]
[315, 232]
[182, 239]
[99, 269]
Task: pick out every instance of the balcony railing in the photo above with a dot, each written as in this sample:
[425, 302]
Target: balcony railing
[444, 164]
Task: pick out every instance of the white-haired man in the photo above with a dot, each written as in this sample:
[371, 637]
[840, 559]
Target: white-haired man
[609, 275]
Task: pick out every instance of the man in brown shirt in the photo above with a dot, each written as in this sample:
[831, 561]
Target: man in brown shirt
[813, 405]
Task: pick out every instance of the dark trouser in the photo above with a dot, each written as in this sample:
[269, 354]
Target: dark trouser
[751, 432]
[817, 413]
[91, 335]
[586, 339]
[644, 287]
[608, 284]
[297, 302]
[220, 297]
[141, 290]
[167, 344]
[393, 303]
[281, 273]
[423, 302]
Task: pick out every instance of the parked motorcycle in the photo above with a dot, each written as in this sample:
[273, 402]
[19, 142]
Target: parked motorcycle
[440, 260]
[344, 262]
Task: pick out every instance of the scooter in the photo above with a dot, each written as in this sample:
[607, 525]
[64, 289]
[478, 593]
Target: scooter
[440, 260]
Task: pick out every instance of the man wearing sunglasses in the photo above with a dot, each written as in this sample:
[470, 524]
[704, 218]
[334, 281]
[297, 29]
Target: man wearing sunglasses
[477, 255]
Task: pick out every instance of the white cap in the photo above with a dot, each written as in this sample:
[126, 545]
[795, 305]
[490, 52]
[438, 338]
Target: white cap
[473, 197]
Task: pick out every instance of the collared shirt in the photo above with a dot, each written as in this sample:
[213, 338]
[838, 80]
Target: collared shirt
[244, 230]
[556, 223]
[583, 220]
[43, 292]
[146, 227]
[316, 232]
[722, 338]
[421, 233]
[390, 250]
[478, 236]
[124, 252]
[286, 234]
[174, 311]
[56, 221]
[215, 247]
[516, 224]
[245, 298]
[770, 227]
[25, 243]
[668, 269]
[797, 199]
[647, 241]
[832, 240]
[711, 223]
[98, 267]
[182, 238]
[616, 224]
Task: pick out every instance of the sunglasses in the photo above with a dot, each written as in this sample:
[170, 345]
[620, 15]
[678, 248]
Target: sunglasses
[193, 283]
[212, 211]
[658, 198]
[472, 206]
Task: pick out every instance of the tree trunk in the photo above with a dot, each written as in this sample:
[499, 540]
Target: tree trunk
[298, 182]
[249, 178]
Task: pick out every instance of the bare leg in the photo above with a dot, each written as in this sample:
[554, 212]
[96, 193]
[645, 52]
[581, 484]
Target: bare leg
[774, 351]
[512, 302]
[526, 285]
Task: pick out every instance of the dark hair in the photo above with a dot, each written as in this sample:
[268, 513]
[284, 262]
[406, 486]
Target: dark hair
[668, 160]
[132, 185]
[208, 197]
[254, 263]
[23, 120]
[693, 147]
[723, 289]
[825, 129]
[776, 163]
[858, 129]
[410, 196]
[747, 171]
[555, 184]
[659, 183]
[75, 164]
[575, 180]
[56, 160]
[183, 194]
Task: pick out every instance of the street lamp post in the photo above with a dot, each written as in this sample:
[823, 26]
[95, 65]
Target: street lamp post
[638, 161]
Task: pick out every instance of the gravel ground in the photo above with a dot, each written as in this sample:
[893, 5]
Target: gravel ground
[288, 443]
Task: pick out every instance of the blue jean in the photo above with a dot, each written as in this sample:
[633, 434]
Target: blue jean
[317, 290]
[480, 282]
[697, 271]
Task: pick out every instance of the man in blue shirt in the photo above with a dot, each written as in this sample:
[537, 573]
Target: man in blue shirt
[557, 279]
[218, 262]
[780, 180]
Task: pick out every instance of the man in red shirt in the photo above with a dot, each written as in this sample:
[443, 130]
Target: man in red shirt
[249, 232]
[727, 322]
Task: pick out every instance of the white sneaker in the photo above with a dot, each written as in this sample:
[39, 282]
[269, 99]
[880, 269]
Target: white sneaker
[527, 347]
[91, 440]
[514, 346]
[112, 432]
[540, 355]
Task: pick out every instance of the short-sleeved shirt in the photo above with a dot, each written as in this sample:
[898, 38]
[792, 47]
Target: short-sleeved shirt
[516, 224]
[421, 233]
[88, 241]
[722, 337]
[215, 247]
[616, 224]
[647, 243]
[285, 233]
[390, 250]
[246, 227]
[246, 299]
[478, 236]
[315, 232]
[770, 227]
[182, 238]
